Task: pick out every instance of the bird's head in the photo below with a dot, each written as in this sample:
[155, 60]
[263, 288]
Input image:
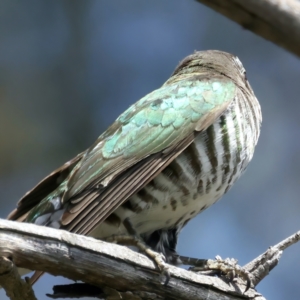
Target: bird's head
[211, 63]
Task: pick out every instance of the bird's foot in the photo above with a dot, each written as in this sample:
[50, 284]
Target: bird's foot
[227, 267]
[135, 240]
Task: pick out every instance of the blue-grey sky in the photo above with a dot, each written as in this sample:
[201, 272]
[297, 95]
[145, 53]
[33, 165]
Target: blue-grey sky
[69, 68]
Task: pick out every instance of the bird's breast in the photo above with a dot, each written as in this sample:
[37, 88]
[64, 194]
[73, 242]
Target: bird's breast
[197, 178]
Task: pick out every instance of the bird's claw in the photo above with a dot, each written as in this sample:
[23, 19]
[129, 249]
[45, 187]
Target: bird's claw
[227, 267]
[160, 261]
[158, 258]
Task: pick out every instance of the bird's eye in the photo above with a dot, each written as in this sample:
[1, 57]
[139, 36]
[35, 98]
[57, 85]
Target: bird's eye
[245, 74]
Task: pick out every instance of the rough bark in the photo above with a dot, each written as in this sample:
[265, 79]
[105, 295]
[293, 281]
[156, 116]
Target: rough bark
[110, 266]
[120, 272]
[10, 280]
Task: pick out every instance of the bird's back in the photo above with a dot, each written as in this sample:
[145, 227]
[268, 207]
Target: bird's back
[195, 180]
[164, 160]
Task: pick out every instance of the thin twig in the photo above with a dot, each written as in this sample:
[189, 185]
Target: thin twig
[293, 239]
[264, 263]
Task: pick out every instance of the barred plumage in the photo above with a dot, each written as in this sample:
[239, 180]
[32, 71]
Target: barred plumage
[195, 180]
[164, 160]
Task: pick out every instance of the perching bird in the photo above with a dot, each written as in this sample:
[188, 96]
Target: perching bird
[168, 157]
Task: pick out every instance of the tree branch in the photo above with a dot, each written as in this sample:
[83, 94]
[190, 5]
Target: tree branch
[264, 263]
[119, 271]
[107, 265]
[274, 20]
[10, 280]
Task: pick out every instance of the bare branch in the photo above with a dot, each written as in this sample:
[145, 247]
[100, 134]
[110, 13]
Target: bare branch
[117, 269]
[274, 20]
[263, 264]
[77, 290]
[15, 287]
[292, 239]
[107, 265]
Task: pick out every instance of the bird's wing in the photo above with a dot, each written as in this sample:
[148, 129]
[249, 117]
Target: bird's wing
[140, 143]
[131, 152]
[43, 189]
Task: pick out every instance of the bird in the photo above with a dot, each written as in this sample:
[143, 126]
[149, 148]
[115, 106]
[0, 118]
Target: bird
[167, 158]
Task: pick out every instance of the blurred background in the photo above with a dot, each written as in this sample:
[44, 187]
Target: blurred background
[69, 68]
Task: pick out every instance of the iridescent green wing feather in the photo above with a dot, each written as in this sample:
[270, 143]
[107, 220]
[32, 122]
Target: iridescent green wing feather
[141, 142]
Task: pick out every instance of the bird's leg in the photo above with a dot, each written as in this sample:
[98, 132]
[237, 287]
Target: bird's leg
[134, 239]
[227, 267]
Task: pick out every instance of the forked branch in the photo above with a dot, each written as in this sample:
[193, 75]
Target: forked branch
[116, 268]
[110, 266]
